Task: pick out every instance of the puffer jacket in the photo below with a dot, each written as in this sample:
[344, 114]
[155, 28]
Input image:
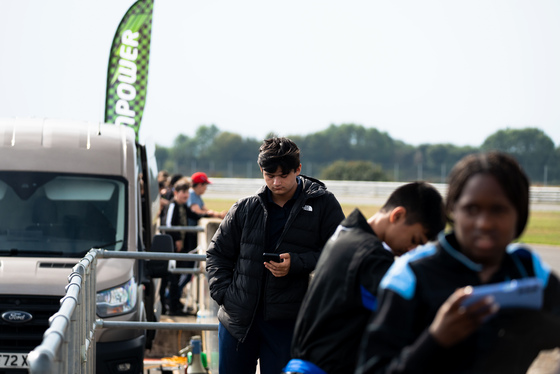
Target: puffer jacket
[234, 259]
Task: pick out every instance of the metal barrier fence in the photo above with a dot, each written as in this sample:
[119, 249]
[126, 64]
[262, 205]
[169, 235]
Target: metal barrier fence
[68, 345]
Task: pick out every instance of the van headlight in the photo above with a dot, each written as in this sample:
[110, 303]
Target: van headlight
[118, 300]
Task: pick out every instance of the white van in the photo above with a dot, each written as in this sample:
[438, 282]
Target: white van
[67, 187]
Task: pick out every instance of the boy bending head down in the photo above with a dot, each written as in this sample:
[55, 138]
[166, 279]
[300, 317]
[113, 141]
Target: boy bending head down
[343, 293]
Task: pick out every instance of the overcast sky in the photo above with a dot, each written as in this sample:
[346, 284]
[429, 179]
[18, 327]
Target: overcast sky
[429, 71]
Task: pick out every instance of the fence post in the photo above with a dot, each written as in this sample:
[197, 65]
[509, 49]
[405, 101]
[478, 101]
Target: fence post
[90, 288]
[74, 291]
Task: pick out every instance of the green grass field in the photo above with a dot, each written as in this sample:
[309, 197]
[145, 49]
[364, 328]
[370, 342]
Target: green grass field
[543, 226]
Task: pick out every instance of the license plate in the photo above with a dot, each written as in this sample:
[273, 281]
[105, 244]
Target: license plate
[13, 360]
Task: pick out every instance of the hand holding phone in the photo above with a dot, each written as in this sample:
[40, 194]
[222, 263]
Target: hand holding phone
[267, 257]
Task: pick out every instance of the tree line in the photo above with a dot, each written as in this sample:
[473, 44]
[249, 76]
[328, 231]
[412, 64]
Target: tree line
[353, 152]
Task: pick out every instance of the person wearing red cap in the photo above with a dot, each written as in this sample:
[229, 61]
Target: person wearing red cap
[200, 178]
[200, 183]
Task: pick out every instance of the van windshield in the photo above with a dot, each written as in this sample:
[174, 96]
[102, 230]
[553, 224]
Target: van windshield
[52, 214]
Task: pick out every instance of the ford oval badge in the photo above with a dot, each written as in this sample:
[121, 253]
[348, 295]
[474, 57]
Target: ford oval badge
[16, 316]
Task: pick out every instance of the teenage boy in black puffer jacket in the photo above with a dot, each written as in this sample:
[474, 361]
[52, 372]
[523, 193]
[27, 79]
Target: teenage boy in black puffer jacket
[293, 216]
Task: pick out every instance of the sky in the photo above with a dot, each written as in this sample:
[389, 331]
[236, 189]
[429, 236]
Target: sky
[430, 71]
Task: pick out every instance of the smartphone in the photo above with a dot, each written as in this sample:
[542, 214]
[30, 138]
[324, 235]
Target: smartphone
[271, 257]
[517, 293]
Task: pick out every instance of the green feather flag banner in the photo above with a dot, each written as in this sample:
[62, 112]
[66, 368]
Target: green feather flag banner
[127, 75]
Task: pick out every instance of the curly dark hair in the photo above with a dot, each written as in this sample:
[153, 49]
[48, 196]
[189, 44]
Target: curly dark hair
[504, 168]
[278, 152]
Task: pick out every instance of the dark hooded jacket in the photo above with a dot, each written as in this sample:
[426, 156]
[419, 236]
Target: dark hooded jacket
[236, 275]
[342, 297]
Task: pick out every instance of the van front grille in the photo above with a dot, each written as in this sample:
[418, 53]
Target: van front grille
[25, 336]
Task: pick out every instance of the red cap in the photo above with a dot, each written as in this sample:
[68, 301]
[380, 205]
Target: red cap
[200, 177]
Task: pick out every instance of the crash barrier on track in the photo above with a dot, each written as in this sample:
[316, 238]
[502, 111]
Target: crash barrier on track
[68, 345]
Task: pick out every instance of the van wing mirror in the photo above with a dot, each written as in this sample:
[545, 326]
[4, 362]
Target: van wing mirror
[160, 243]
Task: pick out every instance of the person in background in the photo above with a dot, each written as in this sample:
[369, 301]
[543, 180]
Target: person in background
[167, 194]
[164, 187]
[293, 216]
[425, 322]
[178, 214]
[163, 179]
[174, 178]
[200, 183]
[343, 292]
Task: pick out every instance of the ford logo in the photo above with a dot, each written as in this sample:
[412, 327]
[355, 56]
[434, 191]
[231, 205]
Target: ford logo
[16, 316]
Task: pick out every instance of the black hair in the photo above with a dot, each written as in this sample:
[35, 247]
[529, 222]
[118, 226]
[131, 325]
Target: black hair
[278, 152]
[423, 204]
[507, 172]
[175, 178]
